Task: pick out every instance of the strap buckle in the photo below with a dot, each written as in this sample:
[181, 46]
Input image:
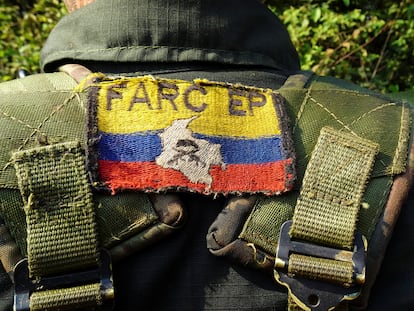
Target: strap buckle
[25, 287]
[317, 294]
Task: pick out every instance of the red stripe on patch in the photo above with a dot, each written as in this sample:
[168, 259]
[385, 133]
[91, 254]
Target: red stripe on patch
[268, 178]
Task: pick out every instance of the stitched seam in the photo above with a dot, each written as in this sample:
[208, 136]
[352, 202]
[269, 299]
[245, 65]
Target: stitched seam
[5, 114]
[332, 115]
[352, 92]
[37, 130]
[301, 109]
[402, 143]
[58, 108]
[371, 111]
[81, 103]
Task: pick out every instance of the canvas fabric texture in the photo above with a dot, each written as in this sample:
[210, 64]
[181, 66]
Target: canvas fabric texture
[391, 159]
[56, 194]
[124, 223]
[255, 240]
[57, 119]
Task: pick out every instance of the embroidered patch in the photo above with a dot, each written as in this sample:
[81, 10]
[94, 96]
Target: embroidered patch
[154, 134]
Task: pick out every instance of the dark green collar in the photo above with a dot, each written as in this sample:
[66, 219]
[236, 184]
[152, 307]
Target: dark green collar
[224, 32]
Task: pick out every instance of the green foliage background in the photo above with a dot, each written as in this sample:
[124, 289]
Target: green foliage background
[24, 26]
[368, 42]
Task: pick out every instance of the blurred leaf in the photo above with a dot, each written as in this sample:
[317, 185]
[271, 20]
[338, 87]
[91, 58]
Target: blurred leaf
[316, 14]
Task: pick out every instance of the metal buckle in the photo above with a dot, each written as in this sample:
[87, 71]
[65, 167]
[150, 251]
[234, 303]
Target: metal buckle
[24, 286]
[316, 294]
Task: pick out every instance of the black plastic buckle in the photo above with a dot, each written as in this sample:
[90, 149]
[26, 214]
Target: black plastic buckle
[24, 286]
[316, 294]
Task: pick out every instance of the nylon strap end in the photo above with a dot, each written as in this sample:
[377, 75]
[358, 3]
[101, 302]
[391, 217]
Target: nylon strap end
[64, 269]
[320, 256]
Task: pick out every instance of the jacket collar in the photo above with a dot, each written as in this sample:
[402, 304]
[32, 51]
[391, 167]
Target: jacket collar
[174, 31]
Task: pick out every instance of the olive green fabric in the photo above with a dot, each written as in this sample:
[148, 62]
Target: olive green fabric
[122, 216]
[119, 218]
[180, 270]
[317, 102]
[84, 297]
[61, 227]
[262, 232]
[14, 218]
[328, 206]
[34, 111]
[314, 102]
[315, 268]
[327, 209]
[12, 195]
[60, 218]
[341, 105]
[44, 110]
[161, 31]
[37, 110]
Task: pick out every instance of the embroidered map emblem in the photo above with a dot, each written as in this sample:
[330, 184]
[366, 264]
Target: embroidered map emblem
[153, 134]
[187, 154]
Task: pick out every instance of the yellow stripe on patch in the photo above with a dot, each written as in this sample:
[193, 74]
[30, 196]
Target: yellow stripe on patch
[129, 105]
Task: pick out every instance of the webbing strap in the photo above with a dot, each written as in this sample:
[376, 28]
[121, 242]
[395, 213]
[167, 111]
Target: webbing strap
[326, 212]
[60, 219]
[332, 189]
[321, 268]
[88, 296]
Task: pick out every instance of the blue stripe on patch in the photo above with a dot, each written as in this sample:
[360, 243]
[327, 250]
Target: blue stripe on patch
[247, 151]
[143, 148]
[129, 147]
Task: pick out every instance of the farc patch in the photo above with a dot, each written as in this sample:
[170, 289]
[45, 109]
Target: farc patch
[154, 134]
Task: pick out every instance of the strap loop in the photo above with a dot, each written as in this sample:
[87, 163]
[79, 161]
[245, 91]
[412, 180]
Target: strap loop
[62, 236]
[320, 257]
[85, 289]
[319, 277]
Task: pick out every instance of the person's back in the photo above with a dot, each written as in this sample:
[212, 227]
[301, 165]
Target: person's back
[205, 101]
